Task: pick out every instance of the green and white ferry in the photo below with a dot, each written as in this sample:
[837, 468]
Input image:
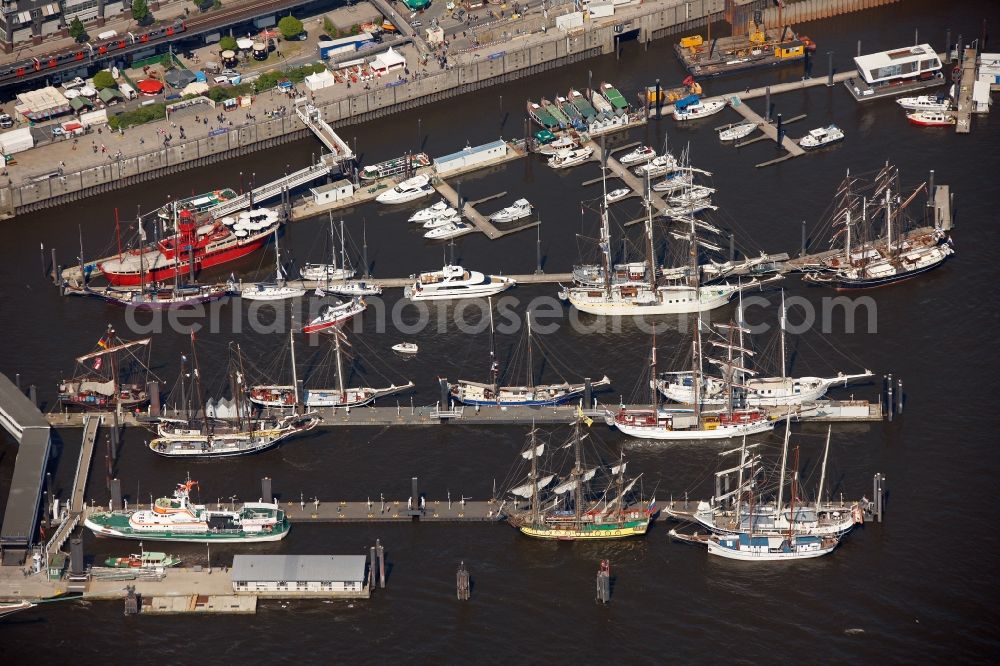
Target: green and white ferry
[177, 519]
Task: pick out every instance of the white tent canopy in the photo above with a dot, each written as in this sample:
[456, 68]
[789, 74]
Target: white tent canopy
[388, 61]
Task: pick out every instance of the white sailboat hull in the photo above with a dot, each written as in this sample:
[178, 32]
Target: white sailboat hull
[670, 301]
[760, 554]
[721, 432]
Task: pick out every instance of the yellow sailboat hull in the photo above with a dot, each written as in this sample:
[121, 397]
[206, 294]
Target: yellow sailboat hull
[596, 533]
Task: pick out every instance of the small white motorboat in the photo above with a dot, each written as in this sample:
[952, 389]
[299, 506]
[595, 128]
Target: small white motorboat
[925, 103]
[660, 165]
[617, 195]
[701, 109]
[517, 210]
[640, 155]
[410, 189]
[430, 212]
[570, 158]
[450, 230]
[447, 218]
[821, 136]
[734, 132]
[405, 348]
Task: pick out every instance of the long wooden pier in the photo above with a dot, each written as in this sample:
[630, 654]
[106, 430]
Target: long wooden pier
[963, 111]
[771, 131]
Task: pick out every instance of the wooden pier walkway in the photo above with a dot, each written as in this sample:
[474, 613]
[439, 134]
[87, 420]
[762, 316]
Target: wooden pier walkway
[469, 212]
[771, 131]
[622, 172]
[963, 111]
[90, 423]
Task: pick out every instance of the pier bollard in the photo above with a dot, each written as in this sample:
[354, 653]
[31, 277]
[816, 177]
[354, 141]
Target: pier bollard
[76, 556]
[604, 582]
[116, 495]
[947, 46]
[588, 391]
[55, 268]
[899, 396]
[829, 69]
[463, 587]
[371, 569]
[890, 402]
[153, 391]
[131, 601]
[803, 253]
[266, 490]
[380, 552]
[33, 395]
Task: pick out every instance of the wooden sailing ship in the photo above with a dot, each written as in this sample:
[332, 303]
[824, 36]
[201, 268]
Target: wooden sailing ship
[588, 502]
[114, 375]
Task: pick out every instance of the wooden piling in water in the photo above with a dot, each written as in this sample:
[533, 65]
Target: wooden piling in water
[463, 588]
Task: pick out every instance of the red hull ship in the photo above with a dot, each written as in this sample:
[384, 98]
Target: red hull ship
[201, 245]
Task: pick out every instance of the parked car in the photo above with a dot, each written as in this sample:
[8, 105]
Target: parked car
[325, 38]
[416, 24]
[75, 83]
[220, 79]
[6, 121]
[229, 72]
[58, 131]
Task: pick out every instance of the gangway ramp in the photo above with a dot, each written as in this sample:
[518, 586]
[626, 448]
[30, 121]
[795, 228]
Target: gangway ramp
[90, 425]
[276, 187]
[312, 118]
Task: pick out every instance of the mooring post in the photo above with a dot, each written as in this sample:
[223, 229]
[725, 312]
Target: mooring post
[889, 400]
[947, 46]
[767, 104]
[445, 393]
[33, 395]
[829, 69]
[781, 133]
[380, 551]
[463, 588]
[371, 570]
[115, 434]
[732, 247]
[859, 48]
[538, 248]
[588, 391]
[46, 508]
[55, 268]
[153, 391]
[604, 582]
[657, 100]
[17, 380]
[930, 189]
[116, 495]
[131, 601]
[899, 396]
[76, 556]
[803, 253]
[266, 490]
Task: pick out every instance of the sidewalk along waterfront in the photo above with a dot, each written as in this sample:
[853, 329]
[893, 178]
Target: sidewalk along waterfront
[59, 173]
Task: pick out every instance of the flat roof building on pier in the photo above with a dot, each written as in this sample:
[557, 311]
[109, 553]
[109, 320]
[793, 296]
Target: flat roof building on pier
[300, 575]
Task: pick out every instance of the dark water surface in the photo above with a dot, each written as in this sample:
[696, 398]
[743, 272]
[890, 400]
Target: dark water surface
[921, 586]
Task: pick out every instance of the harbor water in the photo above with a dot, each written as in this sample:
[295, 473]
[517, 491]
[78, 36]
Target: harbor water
[916, 588]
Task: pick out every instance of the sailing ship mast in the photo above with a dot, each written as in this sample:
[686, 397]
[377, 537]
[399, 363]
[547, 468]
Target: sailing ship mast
[340, 364]
[534, 476]
[577, 476]
[527, 316]
[783, 322]
[651, 252]
[784, 459]
[205, 424]
[343, 253]
[822, 474]
[791, 500]
[295, 379]
[494, 366]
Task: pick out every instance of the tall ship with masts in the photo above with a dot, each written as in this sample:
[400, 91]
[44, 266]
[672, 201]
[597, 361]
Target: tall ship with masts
[754, 544]
[283, 396]
[112, 376]
[223, 428]
[643, 289]
[529, 394]
[753, 390]
[695, 423]
[873, 242]
[731, 512]
[589, 502]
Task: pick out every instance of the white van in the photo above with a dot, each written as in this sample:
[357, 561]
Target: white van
[128, 91]
[107, 34]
